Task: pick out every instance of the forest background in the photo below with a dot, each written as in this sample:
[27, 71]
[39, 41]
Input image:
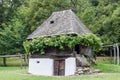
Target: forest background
[19, 18]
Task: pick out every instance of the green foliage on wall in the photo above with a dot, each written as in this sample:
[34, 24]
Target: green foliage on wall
[40, 44]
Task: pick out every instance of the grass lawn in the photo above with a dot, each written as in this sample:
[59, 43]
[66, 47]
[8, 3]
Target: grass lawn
[108, 68]
[15, 73]
[110, 72]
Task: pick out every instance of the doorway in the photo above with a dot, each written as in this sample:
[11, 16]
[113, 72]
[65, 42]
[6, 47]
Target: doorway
[77, 49]
[59, 67]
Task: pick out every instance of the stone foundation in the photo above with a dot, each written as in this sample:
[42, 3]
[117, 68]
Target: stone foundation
[86, 71]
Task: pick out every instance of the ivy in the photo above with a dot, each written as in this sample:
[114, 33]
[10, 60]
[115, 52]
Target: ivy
[40, 44]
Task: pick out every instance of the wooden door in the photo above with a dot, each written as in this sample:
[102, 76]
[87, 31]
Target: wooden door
[59, 67]
[56, 67]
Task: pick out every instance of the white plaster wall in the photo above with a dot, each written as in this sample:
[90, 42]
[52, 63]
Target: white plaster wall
[70, 66]
[44, 67]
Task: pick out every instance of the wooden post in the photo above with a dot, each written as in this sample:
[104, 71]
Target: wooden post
[20, 61]
[25, 60]
[117, 54]
[110, 55]
[114, 53]
[4, 61]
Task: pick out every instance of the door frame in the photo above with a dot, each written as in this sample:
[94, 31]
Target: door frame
[59, 66]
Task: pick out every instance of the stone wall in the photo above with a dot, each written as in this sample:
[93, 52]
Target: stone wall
[86, 71]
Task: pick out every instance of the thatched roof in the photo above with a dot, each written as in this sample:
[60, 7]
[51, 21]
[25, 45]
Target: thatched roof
[61, 22]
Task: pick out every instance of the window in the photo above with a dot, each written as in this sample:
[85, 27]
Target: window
[51, 22]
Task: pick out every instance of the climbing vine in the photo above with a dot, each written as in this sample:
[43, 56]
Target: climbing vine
[40, 44]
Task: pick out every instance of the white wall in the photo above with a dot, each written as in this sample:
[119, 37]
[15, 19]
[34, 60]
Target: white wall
[70, 66]
[44, 67]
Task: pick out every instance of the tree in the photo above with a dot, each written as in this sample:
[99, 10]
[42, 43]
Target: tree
[102, 17]
[12, 37]
[7, 10]
[25, 19]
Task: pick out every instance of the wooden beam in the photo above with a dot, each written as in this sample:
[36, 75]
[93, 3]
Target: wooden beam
[107, 46]
[25, 60]
[110, 55]
[4, 61]
[1, 56]
[117, 54]
[62, 55]
[112, 45]
[114, 54]
[21, 61]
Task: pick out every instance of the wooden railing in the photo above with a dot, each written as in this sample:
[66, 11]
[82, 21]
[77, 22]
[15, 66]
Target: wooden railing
[21, 56]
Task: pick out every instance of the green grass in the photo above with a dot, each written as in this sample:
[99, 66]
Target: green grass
[108, 68]
[13, 72]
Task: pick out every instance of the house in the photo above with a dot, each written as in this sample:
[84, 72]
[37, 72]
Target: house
[55, 61]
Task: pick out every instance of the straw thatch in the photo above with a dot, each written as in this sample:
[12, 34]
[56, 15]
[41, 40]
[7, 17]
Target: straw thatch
[61, 22]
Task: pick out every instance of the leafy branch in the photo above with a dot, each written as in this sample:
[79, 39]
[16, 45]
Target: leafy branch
[40, 44]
